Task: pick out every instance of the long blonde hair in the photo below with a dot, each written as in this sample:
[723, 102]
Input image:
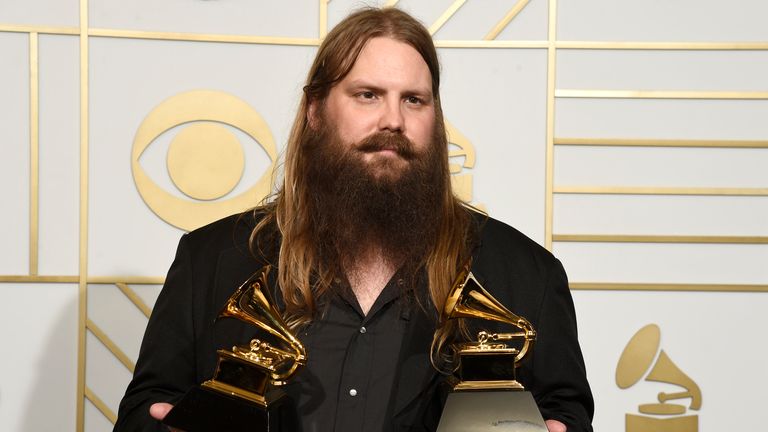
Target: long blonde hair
[301, 274]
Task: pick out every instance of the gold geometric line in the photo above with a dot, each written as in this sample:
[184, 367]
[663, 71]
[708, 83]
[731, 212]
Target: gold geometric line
[266, 40]
[390, 3]
[618, 286]
[659, 94]
[606, 45]
[82, 306]
[446, 16]
[133, 280]
[134, 298]
[13, 28]
[619, 190]
[448, 43]
[37, 278]
[552, 24]
[549, 173]
[624, 142]
[34, 154]
[688, 46]
[110, 345]
[506, 20]
[195, 37]
[100, 405]
[623, 238]
[323, 24]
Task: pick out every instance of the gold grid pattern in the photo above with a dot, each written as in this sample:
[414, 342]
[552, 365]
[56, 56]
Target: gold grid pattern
[551, 45]
[659, 191]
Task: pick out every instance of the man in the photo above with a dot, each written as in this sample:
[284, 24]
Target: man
[366, 236]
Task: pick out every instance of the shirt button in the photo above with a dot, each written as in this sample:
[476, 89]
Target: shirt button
[362, 330]
[353, 392]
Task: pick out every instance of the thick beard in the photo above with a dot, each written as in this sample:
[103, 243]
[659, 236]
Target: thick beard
[382, 205]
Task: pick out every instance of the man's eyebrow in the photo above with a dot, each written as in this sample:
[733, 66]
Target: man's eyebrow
[362, 83]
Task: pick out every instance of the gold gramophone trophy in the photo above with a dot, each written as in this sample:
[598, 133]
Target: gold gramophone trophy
[244, 392]
[488, 395]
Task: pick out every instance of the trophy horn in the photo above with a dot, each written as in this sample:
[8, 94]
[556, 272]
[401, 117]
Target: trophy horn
[251, 303]
[468, 299]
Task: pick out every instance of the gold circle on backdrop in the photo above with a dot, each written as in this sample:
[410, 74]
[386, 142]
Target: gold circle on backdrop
[188, 109]
[205, 161]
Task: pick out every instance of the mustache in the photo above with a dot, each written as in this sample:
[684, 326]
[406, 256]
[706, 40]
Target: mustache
[396, 142]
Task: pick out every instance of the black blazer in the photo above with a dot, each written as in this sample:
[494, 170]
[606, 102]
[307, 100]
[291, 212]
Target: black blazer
[179, 346]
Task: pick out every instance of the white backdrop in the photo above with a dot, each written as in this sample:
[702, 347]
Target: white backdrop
[628, 137]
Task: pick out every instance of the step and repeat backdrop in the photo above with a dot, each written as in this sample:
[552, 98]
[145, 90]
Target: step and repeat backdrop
[630, 138]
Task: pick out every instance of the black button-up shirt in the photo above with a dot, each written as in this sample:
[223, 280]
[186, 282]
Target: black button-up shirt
[352, 361]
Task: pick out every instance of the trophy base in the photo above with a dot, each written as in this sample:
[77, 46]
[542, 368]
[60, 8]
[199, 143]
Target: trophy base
[493, 366]
[204, 410]
[488, 385]
[512, 411]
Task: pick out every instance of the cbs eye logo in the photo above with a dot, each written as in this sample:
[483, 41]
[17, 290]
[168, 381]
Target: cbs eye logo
[205, 160]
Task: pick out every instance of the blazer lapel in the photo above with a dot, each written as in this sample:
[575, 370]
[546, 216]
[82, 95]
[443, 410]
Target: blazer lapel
[233, 267]
[416, 372]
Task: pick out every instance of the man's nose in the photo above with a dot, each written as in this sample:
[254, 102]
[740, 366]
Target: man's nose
[392, 116]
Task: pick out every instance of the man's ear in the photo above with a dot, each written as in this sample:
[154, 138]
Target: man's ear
[312, 113]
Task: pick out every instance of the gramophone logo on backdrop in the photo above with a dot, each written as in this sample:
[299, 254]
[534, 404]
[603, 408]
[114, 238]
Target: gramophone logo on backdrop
[460, 149]
[205, 160]
[461, 182]
[640, 360]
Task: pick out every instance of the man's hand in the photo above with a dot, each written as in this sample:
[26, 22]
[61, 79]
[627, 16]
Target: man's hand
[159, 410]
[552, 426]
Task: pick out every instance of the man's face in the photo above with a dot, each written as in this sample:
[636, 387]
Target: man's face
[387, 92]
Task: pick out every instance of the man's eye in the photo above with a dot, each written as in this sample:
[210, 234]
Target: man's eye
[414, 100]
[366, 95]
